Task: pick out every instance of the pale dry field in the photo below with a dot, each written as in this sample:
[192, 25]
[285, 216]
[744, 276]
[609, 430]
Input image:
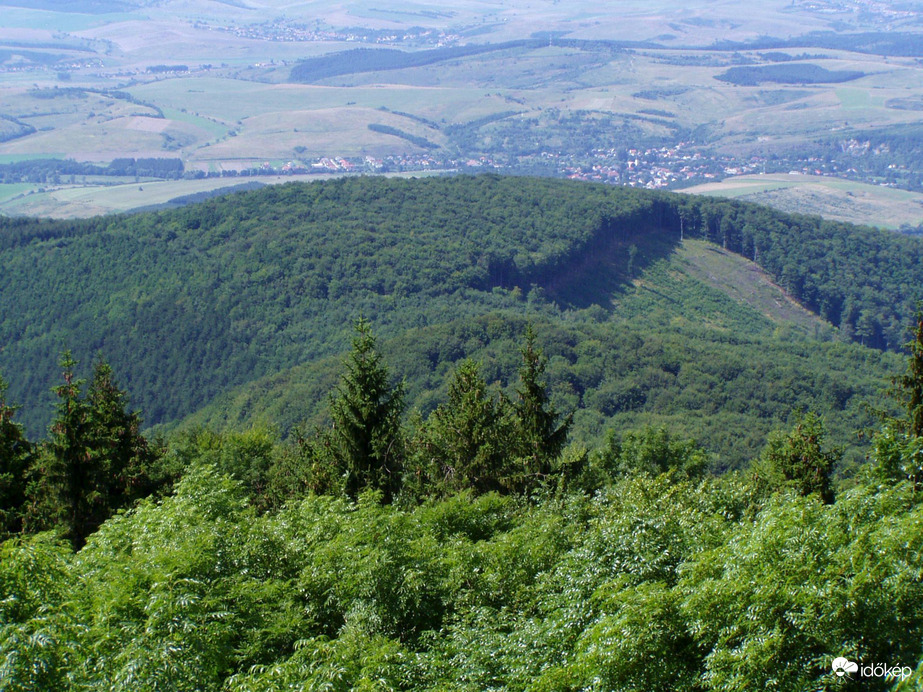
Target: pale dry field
[841, 200]
[233, 107]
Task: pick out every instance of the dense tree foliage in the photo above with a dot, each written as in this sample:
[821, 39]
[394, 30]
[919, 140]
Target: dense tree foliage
[653, 583]
[360, 60]
[910, 384]
[190, 303]
[728, 394]
[15, 457]
[540, 437]
[366, 442]
[467, 440]
[94, 462]
[789, 73]
[629, 568]
[798, 461]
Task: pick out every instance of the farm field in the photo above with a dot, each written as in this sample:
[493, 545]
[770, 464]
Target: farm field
[82, 201]
[841, 200]
[517, 87]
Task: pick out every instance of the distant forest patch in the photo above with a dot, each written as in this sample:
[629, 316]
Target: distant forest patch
[379, 59]
[914, 103]
[11, 128]
[872, 42]
[413, 139]
[160, 69]
[360, 60]
[46, 170]
[786, 73]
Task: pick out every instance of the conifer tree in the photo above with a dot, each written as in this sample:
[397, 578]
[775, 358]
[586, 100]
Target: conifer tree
[95, 460]
[119, 454]
[911, 383]
[798, 460]
[60, 487]
[15, 453]
[366, 439]
[468, 438]
[540, 437]
[899, 446]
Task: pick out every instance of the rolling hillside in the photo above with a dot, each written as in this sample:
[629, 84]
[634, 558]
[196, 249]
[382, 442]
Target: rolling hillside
[259, 290]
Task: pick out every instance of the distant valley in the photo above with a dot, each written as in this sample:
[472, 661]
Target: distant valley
[639, 94]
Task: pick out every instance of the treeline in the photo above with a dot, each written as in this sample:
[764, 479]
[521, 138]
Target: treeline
[15, 129]
[816, 261]
[52, 170]
[629, 568]
[360, 60]
[95, 460]
[874, 42]
[622, 374]
[421, 142]
[169, 169]
[46, 170]
[158, 69]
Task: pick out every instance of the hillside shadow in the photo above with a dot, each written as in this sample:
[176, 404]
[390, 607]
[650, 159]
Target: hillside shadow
[607, 268]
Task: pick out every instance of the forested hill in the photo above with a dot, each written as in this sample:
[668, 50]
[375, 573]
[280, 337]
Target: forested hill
[188, 303]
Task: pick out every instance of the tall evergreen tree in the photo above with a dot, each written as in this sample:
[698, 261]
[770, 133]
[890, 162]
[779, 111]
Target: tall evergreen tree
[797, 460]
[899, 447]
[911, 383]
[15, 453]
[95, 461]
[540, 437]
[119, 454]
[366, 439]
[468, 438]
[60, 488]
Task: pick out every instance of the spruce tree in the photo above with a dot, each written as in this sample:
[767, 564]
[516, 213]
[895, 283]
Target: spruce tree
[120, 456]
[540, 437]
[797, 460]
[468, 438]
[15, 453]
[94, 462]
[60, 488]
[911, 383]
[366, 439]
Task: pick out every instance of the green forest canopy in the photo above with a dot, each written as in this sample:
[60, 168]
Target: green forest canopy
[630, 570]
[466, 547]
[189, 303]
